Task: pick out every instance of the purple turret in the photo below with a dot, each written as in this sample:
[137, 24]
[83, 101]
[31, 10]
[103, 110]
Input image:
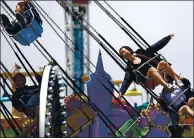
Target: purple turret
[100, 96]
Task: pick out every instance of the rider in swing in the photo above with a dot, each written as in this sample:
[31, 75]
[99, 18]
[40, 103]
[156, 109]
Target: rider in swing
[22, 18]
[151, 70]
[28, 94]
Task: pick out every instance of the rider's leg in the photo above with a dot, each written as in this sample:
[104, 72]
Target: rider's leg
[10, 28]
[5, 21]
[168, 69]
[33, 101]
[13, 29]
[22, 20]
[186, 109]
[152, 72]
[33, 104]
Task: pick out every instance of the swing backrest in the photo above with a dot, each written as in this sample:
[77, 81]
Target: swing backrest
[29, 34]
[174, 99]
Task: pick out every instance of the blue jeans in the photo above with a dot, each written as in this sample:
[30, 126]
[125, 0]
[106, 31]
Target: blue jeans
[33, 101]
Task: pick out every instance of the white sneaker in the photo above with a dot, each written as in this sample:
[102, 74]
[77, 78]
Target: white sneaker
[170, 88]
[179, 83]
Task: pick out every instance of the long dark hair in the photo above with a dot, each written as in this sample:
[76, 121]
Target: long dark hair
[22, 6]
[128, 48]
[129, 64]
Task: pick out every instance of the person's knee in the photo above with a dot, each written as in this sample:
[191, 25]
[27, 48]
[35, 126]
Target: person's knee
[13, 29]
[33, 101]
[185, 108]
[151, 70]
[3, 16]
[162, 64]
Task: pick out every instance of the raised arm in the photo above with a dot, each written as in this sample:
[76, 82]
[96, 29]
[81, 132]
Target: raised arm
[159, 45]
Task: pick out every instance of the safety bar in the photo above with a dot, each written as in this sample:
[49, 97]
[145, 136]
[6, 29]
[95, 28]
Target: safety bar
[179, 96]
[148, 61]
[150, 92]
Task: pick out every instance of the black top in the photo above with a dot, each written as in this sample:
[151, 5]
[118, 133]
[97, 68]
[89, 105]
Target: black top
[142, 54]
[144, 69]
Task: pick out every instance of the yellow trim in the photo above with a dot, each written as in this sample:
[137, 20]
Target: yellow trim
[116, 82]
[133, 92]
[5, 74]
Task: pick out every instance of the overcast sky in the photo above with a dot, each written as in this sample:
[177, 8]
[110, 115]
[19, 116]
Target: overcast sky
[153, 20]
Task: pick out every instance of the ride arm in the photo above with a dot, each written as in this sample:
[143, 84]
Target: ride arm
[128, 79]
[158, 45]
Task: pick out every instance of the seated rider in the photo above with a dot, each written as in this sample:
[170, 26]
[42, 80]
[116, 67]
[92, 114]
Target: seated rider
[29, 5]
[22, 19]
[151, 69]
[136, 59]
[182, 104]
[187, 108]
[28, 94]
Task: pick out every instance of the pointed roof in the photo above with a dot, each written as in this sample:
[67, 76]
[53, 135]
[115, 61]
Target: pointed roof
[99, 65]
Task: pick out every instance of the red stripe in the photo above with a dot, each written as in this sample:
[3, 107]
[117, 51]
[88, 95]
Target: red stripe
[80, 1]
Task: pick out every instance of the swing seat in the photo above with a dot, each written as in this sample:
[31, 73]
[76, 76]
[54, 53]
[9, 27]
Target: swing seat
[28, 35]
[81, 119]
[175, 98]
[174, 101]
[133, 127]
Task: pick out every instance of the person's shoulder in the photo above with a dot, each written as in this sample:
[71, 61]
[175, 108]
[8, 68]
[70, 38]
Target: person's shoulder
[139, 51]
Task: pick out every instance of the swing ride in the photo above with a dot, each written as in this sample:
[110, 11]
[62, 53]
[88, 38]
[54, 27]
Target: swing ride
[100, 113]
